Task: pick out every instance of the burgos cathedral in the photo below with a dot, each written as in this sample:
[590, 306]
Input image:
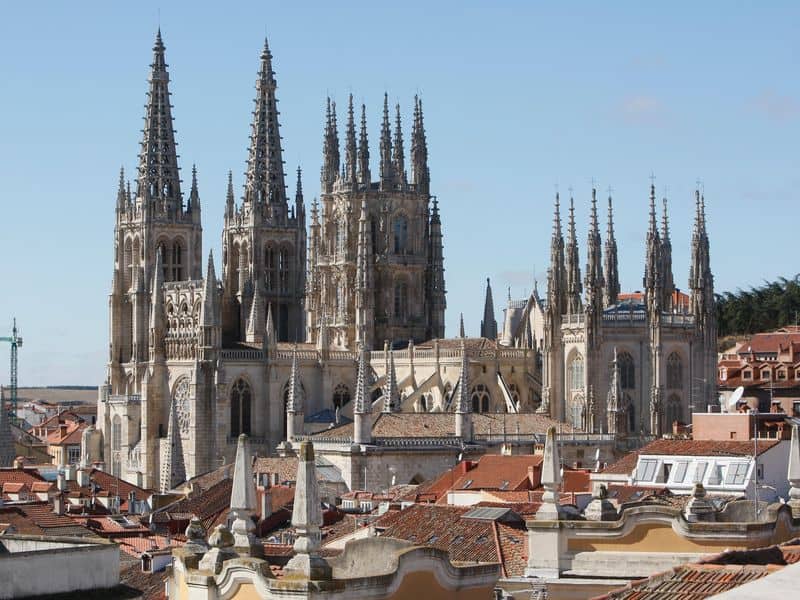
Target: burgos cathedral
[329, 324]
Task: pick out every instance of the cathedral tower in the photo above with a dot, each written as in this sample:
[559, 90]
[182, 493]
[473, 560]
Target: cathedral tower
[376, 267]
[152, 221]
[264, 240]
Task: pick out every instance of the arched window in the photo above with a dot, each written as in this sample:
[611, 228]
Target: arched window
[269, 268]
[674, 412]
[400, 230]
[674, 372]
[243, 265]
[480, 398]
[176, 262]
[241, 401]
[233, 267]
[631, 410]
[341, 395]
[400, 300]
[283, 269]
[578, 412]
[183, 405]
[127, 265]
[575, 373]
[339, 238]
[627, 371]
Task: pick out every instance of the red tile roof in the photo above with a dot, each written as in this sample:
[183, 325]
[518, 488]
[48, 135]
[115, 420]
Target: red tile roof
[624, 466]
[498, 472]
[706, 447]
[38, 518]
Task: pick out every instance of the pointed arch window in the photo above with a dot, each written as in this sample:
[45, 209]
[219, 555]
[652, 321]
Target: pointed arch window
[575, 373]
[176, 262]
[400, 230]
[674, 372]
[241, 404]
[400, 300]
[116, 446]
[341, 395]
[578, 413]
[481, 399]
[627, 371]
[674, 410]
[283, 269]
[269, 268]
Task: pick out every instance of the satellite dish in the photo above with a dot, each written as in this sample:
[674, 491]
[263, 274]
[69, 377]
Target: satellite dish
[736, 396]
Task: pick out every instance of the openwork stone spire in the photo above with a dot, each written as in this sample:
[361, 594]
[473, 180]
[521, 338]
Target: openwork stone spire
[594, 262]
[330, 148]
[652, 275]
[420, 175]
[463, 411]
[363, 150]
[159, 185]
[387, 175]
[573, 268]
[398, 158]
[294, 401]
[264, 183]
[668, 284]
[350, 152]
[610, 267]
[489, 323]
[173, 469]
[556, 277]
[208, 308]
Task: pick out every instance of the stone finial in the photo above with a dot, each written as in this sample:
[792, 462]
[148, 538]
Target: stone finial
[551, 479]
[196, 536]
[699, 508]
[221, 542]
[794, 472]
[600, 508]
[307, 520]
[391, 402]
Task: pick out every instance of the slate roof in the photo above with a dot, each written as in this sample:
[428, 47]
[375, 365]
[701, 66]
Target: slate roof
[423, 425]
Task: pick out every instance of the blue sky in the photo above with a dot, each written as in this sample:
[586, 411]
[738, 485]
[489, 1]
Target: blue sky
[519, 97]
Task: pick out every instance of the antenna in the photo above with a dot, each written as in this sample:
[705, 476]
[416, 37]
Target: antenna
[734, 399]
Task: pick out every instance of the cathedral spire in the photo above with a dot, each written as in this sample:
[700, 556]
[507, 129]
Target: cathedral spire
[350, 155]
[365, 312]
[391, 402]
[489, 323]
[362, 409]
[668, 283]
[610, 269]
[122, 196]
[652, 275]
[398, 158]
[463, 410]
[420, 176]
[299, 202]
[294, 401]
[330, 148]
[230, 203]
[461, 326]
[159, 185]
[435, 274]
[193, 205]
[264, 182]
[556, 278]
[386, 147]
[208, 307]
[594, 262]
[173, 469]
[573, 268]
[363, 150]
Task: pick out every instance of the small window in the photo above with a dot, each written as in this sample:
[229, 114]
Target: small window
[700, 472]
[781, 374]
[679, 473]
[646, 470]
[736, 473]
[749, 374]
[765, 374]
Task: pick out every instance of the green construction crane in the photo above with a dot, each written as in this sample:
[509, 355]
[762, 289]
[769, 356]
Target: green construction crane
[16, 342]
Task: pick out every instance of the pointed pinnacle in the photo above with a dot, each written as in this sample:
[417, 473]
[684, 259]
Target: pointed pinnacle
[665, 222]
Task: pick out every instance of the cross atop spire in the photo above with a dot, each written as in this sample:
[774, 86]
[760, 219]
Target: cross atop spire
[264, 182]
[159, 186]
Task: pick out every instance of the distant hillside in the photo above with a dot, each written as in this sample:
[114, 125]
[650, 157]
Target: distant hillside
[773, 305]
[59, 394]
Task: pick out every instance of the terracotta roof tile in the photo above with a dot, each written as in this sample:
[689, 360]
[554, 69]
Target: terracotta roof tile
[706, 447]
[498, 472]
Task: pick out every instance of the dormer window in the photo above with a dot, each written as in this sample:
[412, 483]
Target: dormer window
[765, 374]
[749, 374]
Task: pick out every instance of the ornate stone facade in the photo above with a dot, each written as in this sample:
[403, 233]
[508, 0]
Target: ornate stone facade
[625, 364]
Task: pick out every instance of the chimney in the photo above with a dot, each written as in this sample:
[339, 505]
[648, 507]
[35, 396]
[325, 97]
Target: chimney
[266, 503]
[132, 502]
[83, 477]
[532, 479]
[62, 427]
[61, 481]
[58, 503]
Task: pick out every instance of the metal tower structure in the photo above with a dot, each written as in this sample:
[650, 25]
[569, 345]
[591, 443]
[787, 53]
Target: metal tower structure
[16, 342]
